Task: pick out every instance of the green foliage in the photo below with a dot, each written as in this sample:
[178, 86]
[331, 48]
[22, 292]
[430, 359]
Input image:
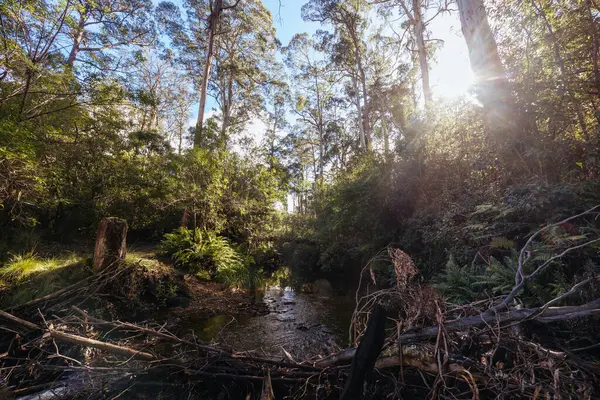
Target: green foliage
[457, 284]
[20, 268]
[210, 255]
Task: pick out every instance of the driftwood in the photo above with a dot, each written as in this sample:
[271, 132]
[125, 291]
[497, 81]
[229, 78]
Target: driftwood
[17, 320]
[82, 341]
[109, 348]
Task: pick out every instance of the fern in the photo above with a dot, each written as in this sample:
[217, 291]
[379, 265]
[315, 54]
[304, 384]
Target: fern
[206, 253]
[456, 283]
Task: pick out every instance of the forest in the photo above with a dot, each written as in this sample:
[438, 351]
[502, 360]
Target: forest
[288, 199]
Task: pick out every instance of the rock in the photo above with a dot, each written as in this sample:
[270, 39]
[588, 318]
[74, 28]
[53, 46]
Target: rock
[289, 302]
[322, 287]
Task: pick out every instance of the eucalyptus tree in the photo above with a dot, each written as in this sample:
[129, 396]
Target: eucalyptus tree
[162, 96]
[350, 25]
[233, 62]
[30, 33]
[314, 98]
[418, 15]
[97, 28]
[492, 85]
[244, 65]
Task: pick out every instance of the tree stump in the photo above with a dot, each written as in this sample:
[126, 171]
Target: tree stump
[110, 243]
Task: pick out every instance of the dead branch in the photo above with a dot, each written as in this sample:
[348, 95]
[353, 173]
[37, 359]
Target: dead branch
[110, 348]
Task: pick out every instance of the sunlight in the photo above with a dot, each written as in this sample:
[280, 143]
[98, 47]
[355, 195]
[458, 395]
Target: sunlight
[451, 75]
[455, 83]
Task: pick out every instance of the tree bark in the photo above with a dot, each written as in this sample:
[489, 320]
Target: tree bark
[110, 243]
[366, 354]
[493, 88]
[77, 40]
[419, 32]
[213, 19]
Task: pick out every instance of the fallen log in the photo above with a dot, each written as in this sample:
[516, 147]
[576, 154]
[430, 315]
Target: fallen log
[548, 315]
[148, 331]
[67, 337]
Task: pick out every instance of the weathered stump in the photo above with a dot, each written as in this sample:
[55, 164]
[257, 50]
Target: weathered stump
[110, 243]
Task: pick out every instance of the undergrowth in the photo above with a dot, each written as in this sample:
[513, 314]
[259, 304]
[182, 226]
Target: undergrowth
[28, 276]
[21, 267]
[210, 256]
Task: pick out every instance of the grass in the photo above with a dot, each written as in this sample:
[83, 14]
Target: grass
[22, 267]
[28, 276]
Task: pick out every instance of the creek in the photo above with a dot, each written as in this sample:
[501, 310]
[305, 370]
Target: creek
[304, 325]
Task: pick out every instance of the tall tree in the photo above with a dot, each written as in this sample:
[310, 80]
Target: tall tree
[350, 25]
[100, 26]
[217, 7]
[493, 86]
[314, 98]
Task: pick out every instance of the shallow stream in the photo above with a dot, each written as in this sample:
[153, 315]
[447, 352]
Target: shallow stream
[303, 324]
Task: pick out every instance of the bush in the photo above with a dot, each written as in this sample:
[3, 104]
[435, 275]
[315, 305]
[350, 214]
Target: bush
[205, 252]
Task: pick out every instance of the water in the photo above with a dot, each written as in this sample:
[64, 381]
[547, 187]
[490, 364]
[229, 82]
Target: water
[302, 324]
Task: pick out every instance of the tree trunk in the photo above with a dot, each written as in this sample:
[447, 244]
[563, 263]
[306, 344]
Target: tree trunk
[361, 130]
[77, 40]
[366, 354]
[419, 32]
[111, 244]
[493, 90]
[595, 46]
[365, 113]
[213, 19]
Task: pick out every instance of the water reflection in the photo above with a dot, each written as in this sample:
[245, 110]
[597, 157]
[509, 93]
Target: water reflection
[304, 325]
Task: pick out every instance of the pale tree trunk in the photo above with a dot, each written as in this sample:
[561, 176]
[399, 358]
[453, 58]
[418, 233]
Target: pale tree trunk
[493, 89]
[365, 114]
[361, 129]
[77, 40]
[212, 28]
[366, 129]
[483, 50]
[227, 104]
[419, 32]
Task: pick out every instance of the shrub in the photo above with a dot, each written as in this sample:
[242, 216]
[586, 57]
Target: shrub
[206, 253]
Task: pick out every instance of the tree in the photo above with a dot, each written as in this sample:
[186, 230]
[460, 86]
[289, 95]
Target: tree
[100, 27]
[217, 8]
[416, 13]
[350, 28]
[314, 98]
[244, 65]
[493, 88]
